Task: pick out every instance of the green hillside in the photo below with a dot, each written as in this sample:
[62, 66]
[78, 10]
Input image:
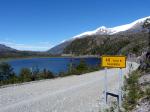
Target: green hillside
[109, 44]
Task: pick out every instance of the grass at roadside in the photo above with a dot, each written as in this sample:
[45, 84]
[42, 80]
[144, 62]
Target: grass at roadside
[132, 91]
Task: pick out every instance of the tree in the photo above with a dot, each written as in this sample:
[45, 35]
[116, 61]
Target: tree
[82, 67]
[46, 74]
[35, 73]
[6, 71]
[50, 74]
[25, 74]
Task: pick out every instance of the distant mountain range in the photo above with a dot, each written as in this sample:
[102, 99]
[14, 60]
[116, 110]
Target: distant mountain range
[4, 48]
[127, 29]
[8, 52]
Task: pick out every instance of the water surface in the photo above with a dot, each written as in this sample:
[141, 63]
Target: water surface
[55, 65]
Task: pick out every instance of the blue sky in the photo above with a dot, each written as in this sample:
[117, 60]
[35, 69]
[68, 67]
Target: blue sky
[41, 24]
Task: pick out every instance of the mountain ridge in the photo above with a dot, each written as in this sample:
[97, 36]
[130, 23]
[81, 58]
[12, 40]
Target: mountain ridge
[132, 28]
[4, 48]
[8, 52]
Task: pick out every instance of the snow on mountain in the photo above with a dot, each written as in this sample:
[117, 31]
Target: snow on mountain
[133, 27]
[101, 30]
[136, 25]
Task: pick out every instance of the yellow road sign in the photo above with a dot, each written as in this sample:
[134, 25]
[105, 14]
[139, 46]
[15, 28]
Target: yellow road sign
[114, 61]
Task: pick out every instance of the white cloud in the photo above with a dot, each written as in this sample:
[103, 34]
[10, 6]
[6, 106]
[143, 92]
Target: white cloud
[41, 46]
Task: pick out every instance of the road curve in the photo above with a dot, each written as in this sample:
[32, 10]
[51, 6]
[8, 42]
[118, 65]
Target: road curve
[69, 94]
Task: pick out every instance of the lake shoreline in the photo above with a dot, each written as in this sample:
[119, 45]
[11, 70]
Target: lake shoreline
[18, 58]
[47, 68]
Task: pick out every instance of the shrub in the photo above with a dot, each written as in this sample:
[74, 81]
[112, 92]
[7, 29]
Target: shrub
[133, 91]
[81, 68]
[25, 75]
[13, 80]
[6, 71]
[46, 74]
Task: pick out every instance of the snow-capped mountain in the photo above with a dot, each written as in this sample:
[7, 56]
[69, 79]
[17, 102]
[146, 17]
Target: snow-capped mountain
[133, 27]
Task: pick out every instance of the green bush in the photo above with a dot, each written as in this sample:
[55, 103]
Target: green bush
[6, 71]
[25, 75]
[46, 74]
[6, 74]
[14, 79]
[133, 91]
[81, 68]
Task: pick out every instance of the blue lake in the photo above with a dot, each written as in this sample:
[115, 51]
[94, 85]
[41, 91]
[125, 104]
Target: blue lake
[55, 65]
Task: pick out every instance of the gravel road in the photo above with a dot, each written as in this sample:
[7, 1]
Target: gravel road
[82, 93]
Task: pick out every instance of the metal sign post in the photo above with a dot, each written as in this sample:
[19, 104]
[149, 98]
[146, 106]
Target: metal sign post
[120, 85]
[105, 85]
